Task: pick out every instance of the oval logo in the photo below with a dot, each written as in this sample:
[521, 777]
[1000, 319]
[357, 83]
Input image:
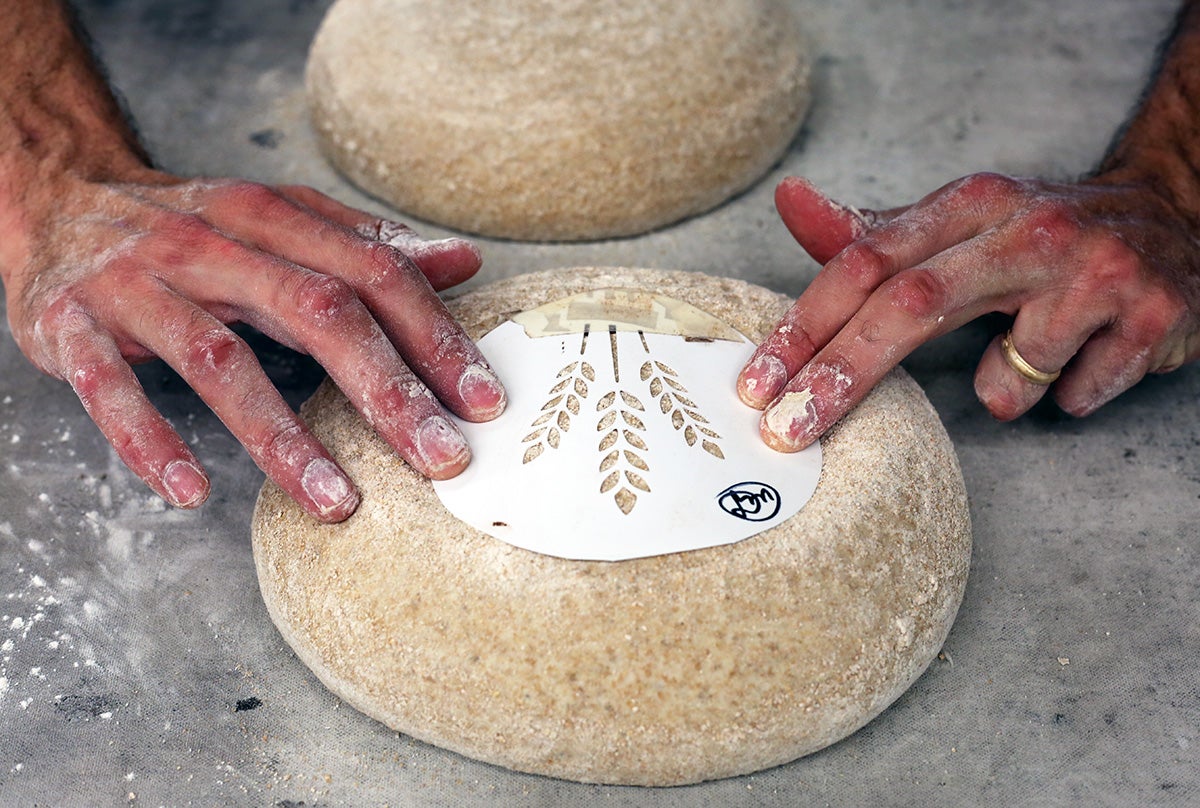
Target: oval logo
[752, 501]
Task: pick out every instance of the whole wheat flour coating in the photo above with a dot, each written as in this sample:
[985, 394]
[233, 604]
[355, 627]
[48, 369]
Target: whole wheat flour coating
[575, 120]
[656, 671]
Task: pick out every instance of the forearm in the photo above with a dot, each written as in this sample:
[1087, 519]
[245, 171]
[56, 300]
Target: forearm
[1160, 146]
[58, 120]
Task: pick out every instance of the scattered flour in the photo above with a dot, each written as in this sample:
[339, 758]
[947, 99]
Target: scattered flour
[52, 622]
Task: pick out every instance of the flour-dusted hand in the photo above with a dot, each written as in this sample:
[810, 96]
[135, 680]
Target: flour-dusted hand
[107, 261]
[1102, 281]
[1102, 276]
[122, 272]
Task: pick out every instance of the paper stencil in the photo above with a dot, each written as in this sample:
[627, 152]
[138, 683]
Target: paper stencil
[623, 436]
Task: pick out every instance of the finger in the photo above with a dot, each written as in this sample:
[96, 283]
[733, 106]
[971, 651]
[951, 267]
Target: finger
[115, 401]
[1046, 334]
[820, 225]
[907, 310]
[224, 372]
[1145, 338]
[324, 317]
[285, 300]
[445, 262]
[939, 222]
[823, 228]
[1106, 366]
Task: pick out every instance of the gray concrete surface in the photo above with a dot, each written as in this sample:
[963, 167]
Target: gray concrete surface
[137, 663]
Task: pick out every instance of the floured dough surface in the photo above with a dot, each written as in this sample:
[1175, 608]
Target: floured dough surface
[571, 120]
[653, 671]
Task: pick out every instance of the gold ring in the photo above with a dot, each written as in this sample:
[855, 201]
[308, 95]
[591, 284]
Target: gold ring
[1020, 365]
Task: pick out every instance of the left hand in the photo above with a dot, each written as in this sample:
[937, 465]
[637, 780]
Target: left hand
[1102, 278]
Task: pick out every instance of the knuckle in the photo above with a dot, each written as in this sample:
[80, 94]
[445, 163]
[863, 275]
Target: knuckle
[1150, 324]
[1051, 226]
[793, 337]
[394, 234]
[382, 261]
[404, 401]
[1115, 262]
[920, 293]
[126, 447]
[864, 265]
[61, 315]
[189, 231]
[213, 350]
[986, 186]
[285, 442]
[323, 297]
[91, 379]
[57, 334]
[253, 195]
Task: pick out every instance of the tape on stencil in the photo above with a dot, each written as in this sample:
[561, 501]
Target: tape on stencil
[623, 437]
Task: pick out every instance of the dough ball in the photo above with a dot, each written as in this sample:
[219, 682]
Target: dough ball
[562, 121]
[653, 671]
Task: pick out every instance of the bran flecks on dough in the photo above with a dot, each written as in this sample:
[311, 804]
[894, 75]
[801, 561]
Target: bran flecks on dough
[810, 628]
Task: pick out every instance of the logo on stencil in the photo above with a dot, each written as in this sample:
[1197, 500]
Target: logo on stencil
[754, 502]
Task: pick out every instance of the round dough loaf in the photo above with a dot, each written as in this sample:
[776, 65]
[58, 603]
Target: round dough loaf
[654, 671]
[575, 120]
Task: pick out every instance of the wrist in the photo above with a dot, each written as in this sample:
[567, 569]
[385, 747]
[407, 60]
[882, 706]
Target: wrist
[60, 129]
[1164, 173]
[1158, 149]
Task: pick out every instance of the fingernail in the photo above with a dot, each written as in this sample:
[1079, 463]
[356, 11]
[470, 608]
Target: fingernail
[482, 392]
[186, 485]
[328, 487]
[761, 381]
[441, 447]
[788, 424]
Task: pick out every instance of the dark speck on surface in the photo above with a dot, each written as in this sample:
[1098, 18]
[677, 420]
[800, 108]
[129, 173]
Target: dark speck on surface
[76, 706]
[266, 138]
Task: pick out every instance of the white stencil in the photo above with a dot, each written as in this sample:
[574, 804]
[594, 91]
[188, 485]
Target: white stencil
[624, 436]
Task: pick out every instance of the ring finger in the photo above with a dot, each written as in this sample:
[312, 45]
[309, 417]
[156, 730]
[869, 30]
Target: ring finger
[1012, 378]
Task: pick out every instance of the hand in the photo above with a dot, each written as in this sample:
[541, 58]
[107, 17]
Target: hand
[119, 272]
[1102, 278]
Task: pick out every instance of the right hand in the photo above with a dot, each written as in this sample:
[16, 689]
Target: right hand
[112, 273]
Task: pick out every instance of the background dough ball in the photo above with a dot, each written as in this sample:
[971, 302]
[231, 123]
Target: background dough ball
[556, 121]
[652, 671]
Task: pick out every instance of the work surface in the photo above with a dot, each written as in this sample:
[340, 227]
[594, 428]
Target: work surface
[138, 664]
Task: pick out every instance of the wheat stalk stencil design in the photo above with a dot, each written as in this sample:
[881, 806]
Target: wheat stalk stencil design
[664, 385]
[569, 390]
[622, 442]
[620, 420]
